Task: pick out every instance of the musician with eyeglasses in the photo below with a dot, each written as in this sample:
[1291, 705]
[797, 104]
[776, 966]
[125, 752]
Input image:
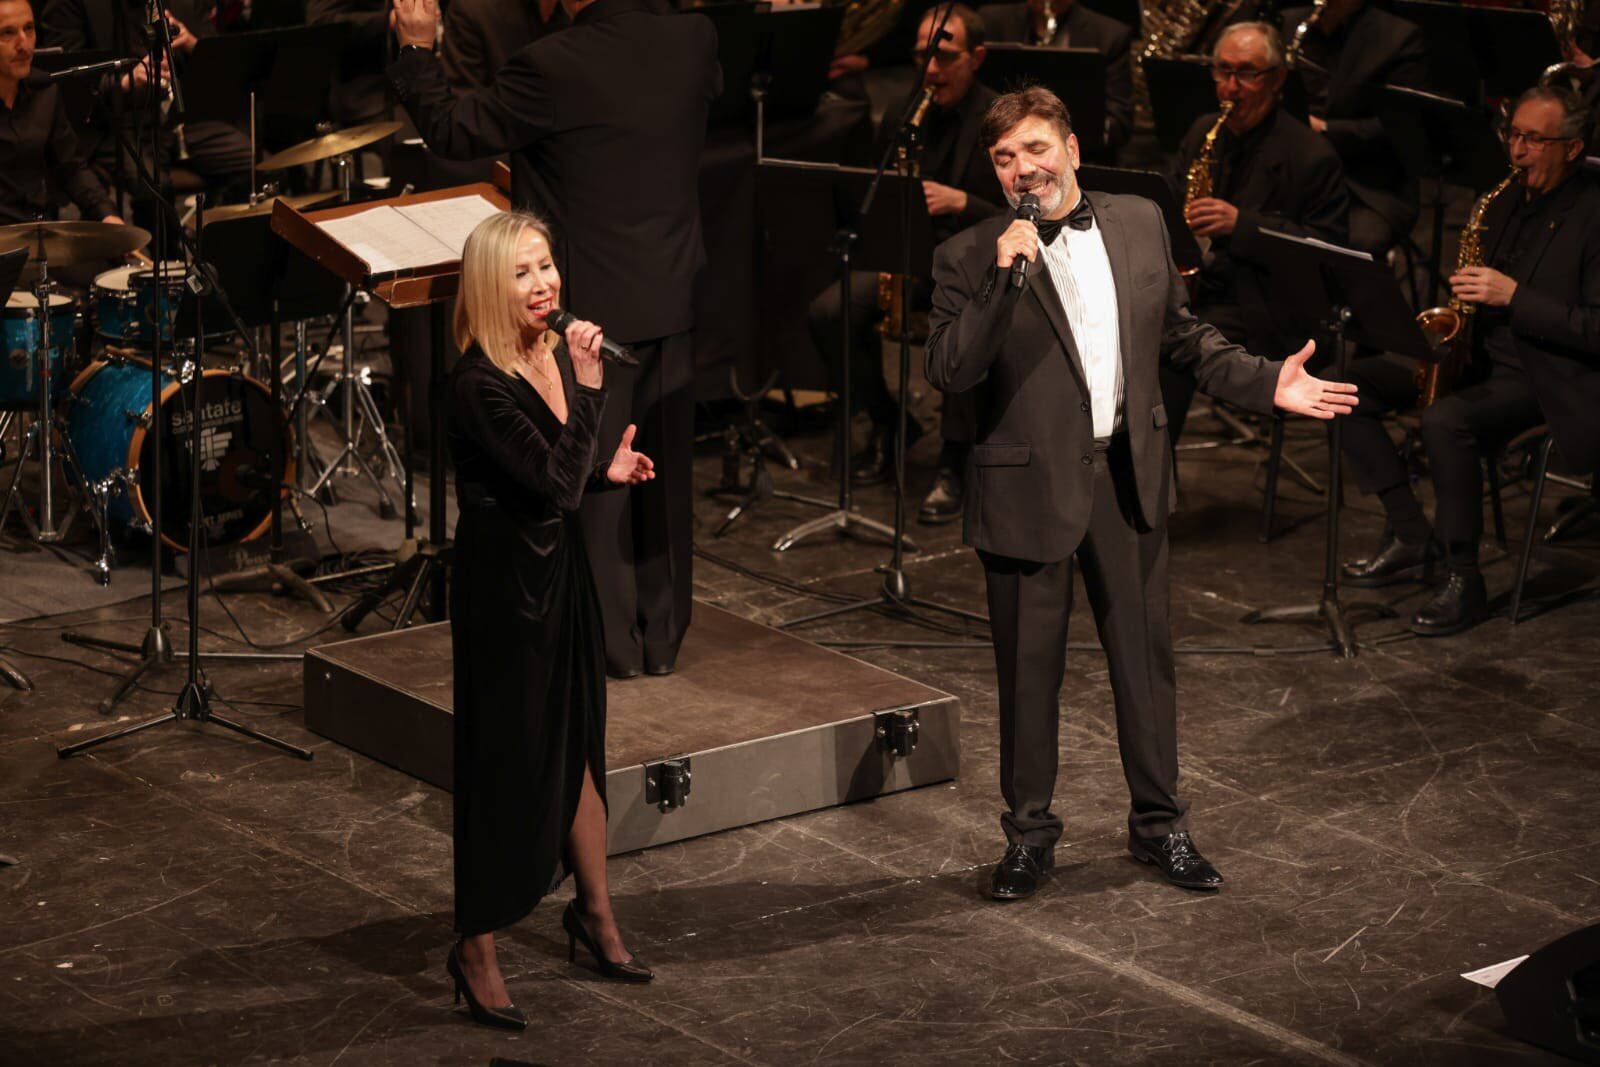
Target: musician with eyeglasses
[1068, 24]
[1536, 359]
[960, 188]
[1269, 171]
[1348, 52]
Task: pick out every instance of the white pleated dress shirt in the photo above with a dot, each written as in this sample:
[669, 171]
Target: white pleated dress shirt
[1081, 273]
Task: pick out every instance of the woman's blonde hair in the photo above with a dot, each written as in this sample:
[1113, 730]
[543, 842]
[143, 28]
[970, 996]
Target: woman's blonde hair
[483, 306]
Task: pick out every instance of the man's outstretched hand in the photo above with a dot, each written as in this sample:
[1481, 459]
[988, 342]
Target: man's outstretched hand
[1301, 393]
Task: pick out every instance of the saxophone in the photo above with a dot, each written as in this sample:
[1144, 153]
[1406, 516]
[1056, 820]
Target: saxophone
[1449, 328]
[1294, 55]
[891, 290]
[1564, 16]
[1200, 180]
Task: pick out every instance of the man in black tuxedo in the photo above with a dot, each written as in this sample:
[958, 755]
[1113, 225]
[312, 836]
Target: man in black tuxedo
[480, 36]
[1072, 463]
[1076, 27]
[960, 188]
[1347, 57]
[1271, 172]
[604, 122]
[1537, 359]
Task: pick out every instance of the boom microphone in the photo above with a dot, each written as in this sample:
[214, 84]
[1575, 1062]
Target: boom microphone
[560, 318]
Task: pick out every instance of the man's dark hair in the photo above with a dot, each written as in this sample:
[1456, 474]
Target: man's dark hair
[1008, 110]
[970, 19]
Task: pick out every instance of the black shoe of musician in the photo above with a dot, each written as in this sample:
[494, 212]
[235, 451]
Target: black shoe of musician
[1460, 604]
[1021, 871]
[1395, 561]
[1178, 859]
[874, 465]
[943, 502]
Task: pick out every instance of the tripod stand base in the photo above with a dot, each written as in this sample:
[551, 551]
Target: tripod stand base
[430, 563]
[851, 523]
[896, 594]
[1341, 635]
[194, 703]
[155, 651]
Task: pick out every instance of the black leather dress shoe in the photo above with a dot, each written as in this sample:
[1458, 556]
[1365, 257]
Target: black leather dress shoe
[874, 465]
[1460, 604]
[1395, 561]
[655, 667]
[623, 673]
[943, 502]
[1178, 859]
[1021, 871]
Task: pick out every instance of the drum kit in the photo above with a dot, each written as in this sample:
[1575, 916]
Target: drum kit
[96, 434]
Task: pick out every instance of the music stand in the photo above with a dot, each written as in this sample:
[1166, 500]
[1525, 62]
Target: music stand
[11, 264]
[1446, 140]
[1182, 90]
[1076, 75]
[798, 200]
[1323, 287]
[1482, 51]
[79, 94]
[774, 60]
[1152, 185]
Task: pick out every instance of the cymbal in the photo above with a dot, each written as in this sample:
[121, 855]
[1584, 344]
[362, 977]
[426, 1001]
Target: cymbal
[68, 243]
[264, 207]
[337, 143]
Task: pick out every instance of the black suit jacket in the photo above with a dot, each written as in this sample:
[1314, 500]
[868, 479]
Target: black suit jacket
[605, 122]
[1030, 475]
[1373, 50]
[953, 156]
[1294, 185]
[480, 36]
[1555, 318]
[1080, 28]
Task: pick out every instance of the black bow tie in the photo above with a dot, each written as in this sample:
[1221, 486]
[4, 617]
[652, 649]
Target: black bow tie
[1080, 218]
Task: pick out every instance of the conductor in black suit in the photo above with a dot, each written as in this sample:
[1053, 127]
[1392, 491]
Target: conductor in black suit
[1072, 466]
[1076, 27]
[605, 122]
[1346, 58]
[481, 36]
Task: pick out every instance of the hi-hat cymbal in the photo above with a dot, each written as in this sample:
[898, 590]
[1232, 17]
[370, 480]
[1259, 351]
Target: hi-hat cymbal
[337, 143]
[264, 207]
[69, 243]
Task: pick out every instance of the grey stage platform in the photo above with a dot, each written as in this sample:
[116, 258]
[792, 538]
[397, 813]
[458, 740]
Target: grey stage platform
[757, 725]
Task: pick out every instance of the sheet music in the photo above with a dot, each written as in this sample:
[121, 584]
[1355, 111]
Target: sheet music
[389, 241]
[450, 220]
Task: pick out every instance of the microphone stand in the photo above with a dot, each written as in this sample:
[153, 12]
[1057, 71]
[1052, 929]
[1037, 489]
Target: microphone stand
[895, 591]
[194, 700]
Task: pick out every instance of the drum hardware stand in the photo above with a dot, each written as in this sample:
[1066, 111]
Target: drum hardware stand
[747, 441]
[194, 700]
[895, 592]
[40, 435]
[356, 388]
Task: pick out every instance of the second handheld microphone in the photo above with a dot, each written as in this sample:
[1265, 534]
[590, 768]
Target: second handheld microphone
[560, 318]
[1027, 208]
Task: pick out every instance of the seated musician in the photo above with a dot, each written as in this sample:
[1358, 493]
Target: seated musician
[217, 151]
[1536, 334]
[961, 189]
[1075, 27]
[1270, 172]
[39, 151]
[1348, 55]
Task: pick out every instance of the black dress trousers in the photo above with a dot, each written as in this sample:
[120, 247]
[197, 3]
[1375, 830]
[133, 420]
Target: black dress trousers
[1124, 568]
[641, 540]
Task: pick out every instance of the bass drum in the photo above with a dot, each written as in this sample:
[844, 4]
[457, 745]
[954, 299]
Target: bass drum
[244, 450]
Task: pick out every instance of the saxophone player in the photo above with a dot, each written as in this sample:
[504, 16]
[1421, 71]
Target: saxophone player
[1269, 171]
[961, 189]
[1536, 348]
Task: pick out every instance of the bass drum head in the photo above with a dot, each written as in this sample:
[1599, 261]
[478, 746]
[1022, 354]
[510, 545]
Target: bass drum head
[244, 447]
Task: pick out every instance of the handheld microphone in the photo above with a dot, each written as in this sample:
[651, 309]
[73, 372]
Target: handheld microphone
[560, 318]
[1027, 208]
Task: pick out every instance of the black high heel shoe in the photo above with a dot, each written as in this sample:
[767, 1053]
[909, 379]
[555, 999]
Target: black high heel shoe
[506, 1018]
[628, 971]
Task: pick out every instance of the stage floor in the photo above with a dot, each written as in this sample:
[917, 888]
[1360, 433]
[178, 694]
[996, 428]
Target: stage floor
[1385, 823]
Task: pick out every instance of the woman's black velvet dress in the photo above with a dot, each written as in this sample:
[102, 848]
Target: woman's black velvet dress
[530, 697]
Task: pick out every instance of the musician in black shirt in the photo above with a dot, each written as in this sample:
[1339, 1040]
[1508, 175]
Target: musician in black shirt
[39, 152]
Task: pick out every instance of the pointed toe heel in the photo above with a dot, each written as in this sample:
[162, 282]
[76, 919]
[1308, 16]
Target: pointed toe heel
[506, 1018]
[629, 970]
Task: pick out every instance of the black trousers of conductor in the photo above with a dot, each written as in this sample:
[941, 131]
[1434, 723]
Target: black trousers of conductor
[641, 539]
[1124, 569]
